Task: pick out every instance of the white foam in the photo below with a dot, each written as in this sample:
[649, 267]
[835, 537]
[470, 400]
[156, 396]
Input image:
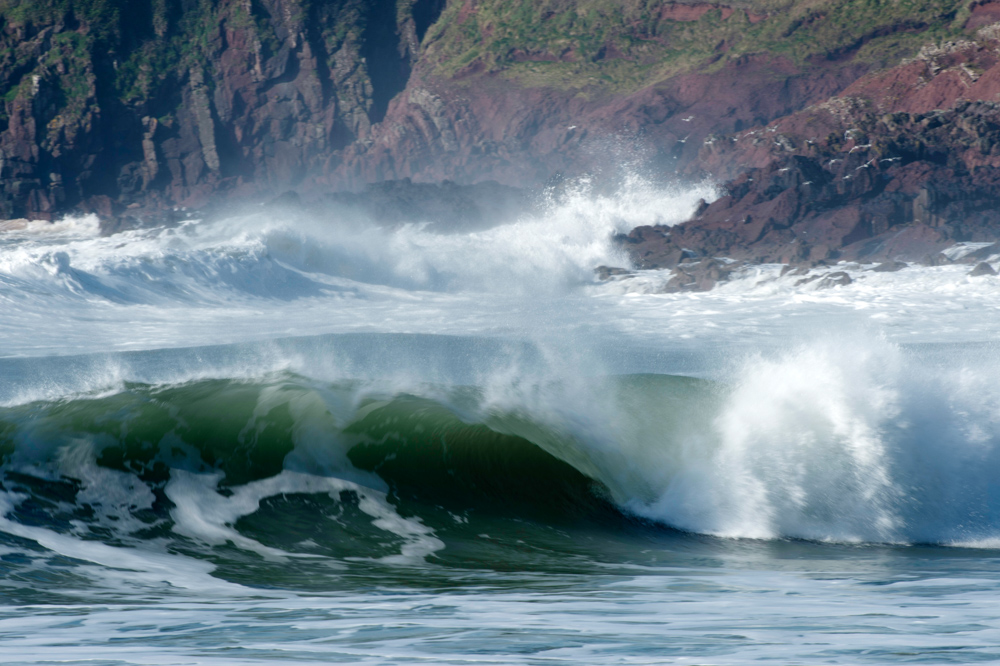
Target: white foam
[113, 495]
[202, 513]
[120, 568]
[268, 274]
[71, 226]
[848, 440]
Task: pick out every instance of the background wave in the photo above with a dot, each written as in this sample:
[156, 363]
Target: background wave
[285, 256]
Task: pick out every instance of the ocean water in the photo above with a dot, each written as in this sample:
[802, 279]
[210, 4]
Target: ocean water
[291, 440]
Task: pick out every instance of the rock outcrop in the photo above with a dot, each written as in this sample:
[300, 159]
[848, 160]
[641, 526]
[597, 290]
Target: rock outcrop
[903, 164]
[167, 103]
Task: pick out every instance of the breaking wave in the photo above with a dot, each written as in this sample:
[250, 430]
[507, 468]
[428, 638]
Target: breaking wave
[857, 441]
[289, 255]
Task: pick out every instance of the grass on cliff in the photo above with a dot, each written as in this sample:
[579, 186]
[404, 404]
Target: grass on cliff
[108, 22]
[150, 41]
[623, 45]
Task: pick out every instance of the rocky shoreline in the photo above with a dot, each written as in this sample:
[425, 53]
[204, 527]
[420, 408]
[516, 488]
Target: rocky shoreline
[827, 146]
[903, 165]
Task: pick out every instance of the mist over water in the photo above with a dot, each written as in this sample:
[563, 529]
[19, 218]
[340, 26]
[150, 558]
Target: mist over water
[290, 428]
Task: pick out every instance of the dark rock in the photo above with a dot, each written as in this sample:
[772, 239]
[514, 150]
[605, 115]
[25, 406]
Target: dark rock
[889, 267]
[939, 259]
[838, 279]
[982, 253]
[793, 270]
[680, 281]
[982, 268]
[605, 273]
[702, 275]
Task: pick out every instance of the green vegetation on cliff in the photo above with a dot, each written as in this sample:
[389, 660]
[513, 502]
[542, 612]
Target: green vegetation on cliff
[119, 97]
[625, 45]
[619, 45]
[145, 42]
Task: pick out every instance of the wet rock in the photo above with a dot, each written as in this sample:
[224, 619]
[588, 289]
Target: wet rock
[679, 281]
[605, 273]
[889, 267]
[981, 269]
[806, 280]
[710, 272]
[838, 279]
[702, 275]
[788, 269]
[827, 281]
[982, 253]
[939, 259]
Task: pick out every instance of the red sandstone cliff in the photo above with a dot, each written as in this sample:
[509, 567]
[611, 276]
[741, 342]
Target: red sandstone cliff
[900, 165]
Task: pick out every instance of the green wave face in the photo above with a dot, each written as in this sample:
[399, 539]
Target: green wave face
[285, 482]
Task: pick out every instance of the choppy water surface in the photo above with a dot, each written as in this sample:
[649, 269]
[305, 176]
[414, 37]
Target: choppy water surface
[290, 440]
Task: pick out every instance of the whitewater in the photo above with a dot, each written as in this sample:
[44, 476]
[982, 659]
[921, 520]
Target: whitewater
[290, 437]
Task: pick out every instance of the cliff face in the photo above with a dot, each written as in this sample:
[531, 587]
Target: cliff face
[150, 104]
[109, 103]
[519, 89]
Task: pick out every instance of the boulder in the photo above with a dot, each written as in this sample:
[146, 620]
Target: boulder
[981, 269]
[889, 267]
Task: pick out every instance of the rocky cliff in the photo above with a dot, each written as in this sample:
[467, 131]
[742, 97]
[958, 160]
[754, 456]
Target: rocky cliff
[519, 89]
[147, 105]
[112, 103]
[902, 164]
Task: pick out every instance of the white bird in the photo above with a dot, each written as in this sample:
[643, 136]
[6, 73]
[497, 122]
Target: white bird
[571, 127]
[783, 169]
[891, 159]
[836, 160]
[808, 182]
[688, 119]
[861, 147]
[684, 140]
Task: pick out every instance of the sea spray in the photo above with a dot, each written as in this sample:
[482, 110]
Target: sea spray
[851, 440]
